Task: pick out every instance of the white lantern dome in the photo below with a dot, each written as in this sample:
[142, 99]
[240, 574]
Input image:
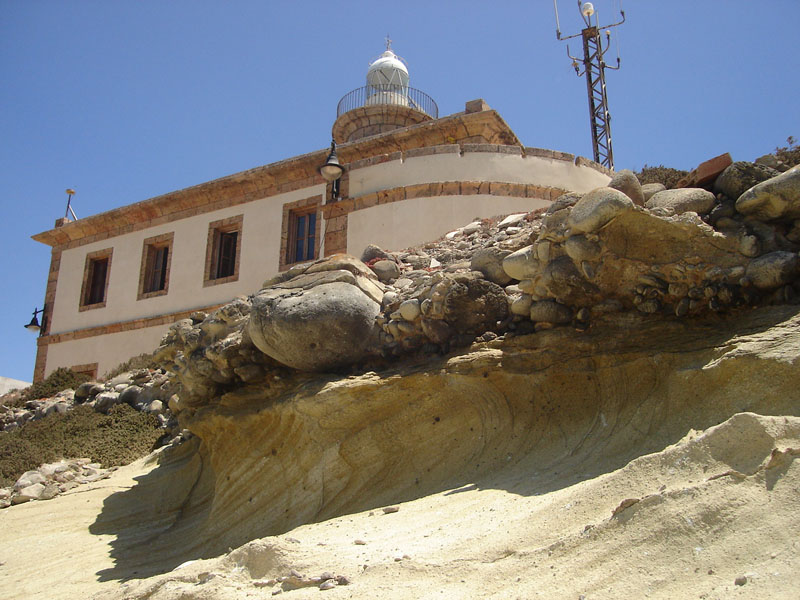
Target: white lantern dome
[387, 70]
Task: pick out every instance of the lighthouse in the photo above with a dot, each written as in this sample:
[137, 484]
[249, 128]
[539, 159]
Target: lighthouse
[385, 103]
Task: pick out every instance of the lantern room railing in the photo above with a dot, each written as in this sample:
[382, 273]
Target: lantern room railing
[398, 95]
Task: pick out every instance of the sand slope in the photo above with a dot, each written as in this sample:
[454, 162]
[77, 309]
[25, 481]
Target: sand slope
[544, 519]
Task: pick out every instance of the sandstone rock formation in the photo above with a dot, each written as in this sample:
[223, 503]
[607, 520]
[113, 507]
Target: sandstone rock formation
[516, 357]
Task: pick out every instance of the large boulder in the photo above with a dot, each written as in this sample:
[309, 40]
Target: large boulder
[773, 270]
[315, 329]
[522, 264]
[594, 210]
[549, 311]
[775, 198]
[740, 177]
[650, 189]
[473, 305]
[489, 261]
[626, 182]
[683, 200]
[386, 270]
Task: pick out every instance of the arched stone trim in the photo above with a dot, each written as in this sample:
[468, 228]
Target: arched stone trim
[336, 214]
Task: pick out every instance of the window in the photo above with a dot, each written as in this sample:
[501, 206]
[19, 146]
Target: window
[223, 251]
[226, 254]
[304, 228]
[300, 232]
[156, 260]
[89, 369]
[95, 279]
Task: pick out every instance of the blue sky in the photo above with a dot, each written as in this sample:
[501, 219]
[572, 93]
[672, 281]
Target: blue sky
[124, 101]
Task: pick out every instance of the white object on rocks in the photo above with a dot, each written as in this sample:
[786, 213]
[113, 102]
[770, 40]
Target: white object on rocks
[409, 309]
[511, 220]
[473, 227]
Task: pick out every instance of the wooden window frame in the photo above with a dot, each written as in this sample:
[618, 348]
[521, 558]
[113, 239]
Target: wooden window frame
[294, 235]
[215, 231]
[147, 270]
[291, 211]
[93, 258]
[89, 369]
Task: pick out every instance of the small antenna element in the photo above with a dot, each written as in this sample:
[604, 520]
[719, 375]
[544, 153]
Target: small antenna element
[70, 193]
[388, 42]
[594, 67]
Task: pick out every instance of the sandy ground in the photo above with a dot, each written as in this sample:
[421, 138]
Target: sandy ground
[717, 506]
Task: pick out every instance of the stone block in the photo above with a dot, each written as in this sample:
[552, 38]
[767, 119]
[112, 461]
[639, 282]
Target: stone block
[451, 188]
[473, 106]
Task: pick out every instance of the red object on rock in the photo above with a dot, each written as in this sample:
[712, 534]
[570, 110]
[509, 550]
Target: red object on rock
[706, 172]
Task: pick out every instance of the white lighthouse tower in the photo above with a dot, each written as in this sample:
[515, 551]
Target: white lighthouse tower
[384, 104]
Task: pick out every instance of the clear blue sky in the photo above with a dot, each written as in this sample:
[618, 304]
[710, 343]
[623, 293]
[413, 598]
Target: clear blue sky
[124, 101]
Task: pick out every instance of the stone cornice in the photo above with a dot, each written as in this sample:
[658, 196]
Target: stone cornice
[284, 176]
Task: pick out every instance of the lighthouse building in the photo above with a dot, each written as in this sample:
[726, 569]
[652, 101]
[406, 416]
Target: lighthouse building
[118, 279]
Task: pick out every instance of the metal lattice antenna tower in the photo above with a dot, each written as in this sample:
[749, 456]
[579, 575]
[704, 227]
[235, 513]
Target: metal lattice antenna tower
[594, 67]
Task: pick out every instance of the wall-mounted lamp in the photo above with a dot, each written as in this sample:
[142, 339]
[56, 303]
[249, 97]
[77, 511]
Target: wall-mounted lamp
[34, 326]
[332, 171]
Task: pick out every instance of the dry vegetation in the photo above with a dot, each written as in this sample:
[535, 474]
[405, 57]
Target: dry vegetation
[660, 174]
[117, 438]
[788, 154]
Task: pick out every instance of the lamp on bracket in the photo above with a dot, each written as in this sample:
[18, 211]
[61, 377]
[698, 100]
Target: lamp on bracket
[332, 171]
[34, 326]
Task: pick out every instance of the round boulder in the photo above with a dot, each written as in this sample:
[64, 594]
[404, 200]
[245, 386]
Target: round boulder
[489, 261]
[740, 177]
[371, 252]
[683, 200]
[386, 270]
[650, 189]
[773, 270]
[597, 208]
[473, 305]
[549, 311]
[321, 328]
[775, 198]
[522, 264]
[627, 183]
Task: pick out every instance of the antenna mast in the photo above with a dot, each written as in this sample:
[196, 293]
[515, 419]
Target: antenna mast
[594, 67]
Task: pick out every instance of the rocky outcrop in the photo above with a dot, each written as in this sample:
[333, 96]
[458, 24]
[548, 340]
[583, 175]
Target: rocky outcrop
[776, 198]
[684, 253]
[146, 390]
[605, 314]
[267, 458]
[52, 479]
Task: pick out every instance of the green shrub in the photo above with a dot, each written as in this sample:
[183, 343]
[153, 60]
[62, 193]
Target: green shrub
[661, 174]
[118, 438]
[58, 380]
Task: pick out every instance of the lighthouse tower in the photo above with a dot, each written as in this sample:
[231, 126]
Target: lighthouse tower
[384, 104]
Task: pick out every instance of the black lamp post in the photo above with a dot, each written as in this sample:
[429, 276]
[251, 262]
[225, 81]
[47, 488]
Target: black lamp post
[34, 326]
[332, 171]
